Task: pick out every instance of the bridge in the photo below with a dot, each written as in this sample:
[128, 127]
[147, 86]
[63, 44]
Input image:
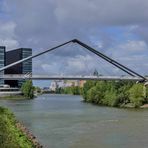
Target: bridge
[59, 77]
[133, 76]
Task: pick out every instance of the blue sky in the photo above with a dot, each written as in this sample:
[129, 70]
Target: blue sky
[115, 27]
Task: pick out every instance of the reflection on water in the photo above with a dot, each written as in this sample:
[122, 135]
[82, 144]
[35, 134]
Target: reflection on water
[64, 121]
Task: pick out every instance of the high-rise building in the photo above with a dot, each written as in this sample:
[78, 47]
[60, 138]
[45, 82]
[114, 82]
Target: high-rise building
[22, 68]
[2, 61]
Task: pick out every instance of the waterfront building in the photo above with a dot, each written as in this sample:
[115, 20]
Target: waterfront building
[69, 83]
[22, 68]
[6, 90]
[53, 86]
[66, 83]
[2, 61]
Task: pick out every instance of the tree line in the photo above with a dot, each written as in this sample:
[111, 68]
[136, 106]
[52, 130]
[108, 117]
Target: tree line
[110, 93]
[114, 93]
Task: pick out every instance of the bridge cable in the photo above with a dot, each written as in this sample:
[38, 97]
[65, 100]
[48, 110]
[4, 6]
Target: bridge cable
[113, 62]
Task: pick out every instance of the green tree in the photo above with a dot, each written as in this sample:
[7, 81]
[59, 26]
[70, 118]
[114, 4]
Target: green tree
[146, 92]
[111, 98]
[28, 89]
[88, 85]
[136, 95]
[91, 94]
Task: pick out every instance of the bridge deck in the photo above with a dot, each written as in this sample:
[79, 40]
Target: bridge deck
[47, 77]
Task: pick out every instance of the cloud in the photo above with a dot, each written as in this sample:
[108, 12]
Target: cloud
[7, 35]
[106, 12]
[116, 28]
[47, 22]
[132, 54]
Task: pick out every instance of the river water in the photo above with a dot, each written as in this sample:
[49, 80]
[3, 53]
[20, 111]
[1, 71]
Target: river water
[64, 121]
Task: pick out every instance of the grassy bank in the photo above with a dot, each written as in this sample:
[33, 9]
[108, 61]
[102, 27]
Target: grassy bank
[12, 97]
[10, 135]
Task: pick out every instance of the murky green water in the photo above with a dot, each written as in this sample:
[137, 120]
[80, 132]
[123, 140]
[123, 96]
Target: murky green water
[61, 121]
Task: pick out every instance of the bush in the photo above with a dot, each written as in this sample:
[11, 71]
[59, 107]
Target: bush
[136, 95]
[113, 93]
[94, 95]
[110, 98]
[28, 89]
[10, 135]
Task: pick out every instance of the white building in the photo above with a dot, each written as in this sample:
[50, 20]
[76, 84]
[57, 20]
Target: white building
[53, 86]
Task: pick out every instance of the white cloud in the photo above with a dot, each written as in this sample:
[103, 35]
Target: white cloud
[42, 24]
[128, 49]
[7, 35]
[9, 43]
[134, 46]
[132, 54]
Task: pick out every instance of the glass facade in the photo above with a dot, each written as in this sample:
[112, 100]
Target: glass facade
[22, 68]
[27, 65]
[2, 61]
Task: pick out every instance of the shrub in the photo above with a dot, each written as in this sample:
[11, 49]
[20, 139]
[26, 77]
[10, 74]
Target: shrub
[136, 95]
[28, 89]
[10, 135]
[110, 98]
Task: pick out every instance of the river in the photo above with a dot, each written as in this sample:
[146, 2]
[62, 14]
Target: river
[64, 121]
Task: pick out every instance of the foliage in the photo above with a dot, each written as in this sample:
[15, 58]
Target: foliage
[74, 90]
[110, 98]
[37, 89]
[113, 93]
[136, 95]
[87, 86]
[10, 135]
[146, 92]
[28, 89]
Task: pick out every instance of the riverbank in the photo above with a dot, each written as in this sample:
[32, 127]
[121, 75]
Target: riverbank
[12, 97]
[29, 135]
[14, 134]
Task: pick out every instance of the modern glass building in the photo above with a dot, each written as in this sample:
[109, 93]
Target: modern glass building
[22, 68]
[2, 61]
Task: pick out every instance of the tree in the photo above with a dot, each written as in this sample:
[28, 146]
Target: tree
[136, 95]
[28, 89]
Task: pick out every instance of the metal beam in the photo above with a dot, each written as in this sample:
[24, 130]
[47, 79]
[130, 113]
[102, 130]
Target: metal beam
[50, 77]
[36, 55]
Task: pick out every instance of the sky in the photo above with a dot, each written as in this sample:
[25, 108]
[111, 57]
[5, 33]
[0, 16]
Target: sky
[117, 28]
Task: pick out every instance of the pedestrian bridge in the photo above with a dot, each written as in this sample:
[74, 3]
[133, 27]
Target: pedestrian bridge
[70, 77]
[133, 76]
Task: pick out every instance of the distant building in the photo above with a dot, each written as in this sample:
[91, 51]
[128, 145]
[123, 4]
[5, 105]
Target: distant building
[53, 86]
[81, 83]
[22, 68]
[70, 83]
[2, 61]
[95, 73]
[66, 83]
